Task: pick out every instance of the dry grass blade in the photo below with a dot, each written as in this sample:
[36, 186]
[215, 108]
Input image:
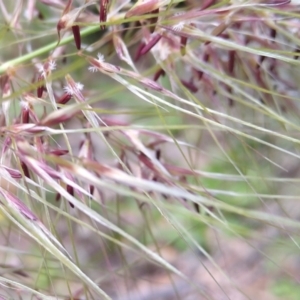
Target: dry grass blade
[181, 136]
[23, 218]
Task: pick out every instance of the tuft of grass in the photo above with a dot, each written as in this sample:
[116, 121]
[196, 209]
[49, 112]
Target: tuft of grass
[144, 142]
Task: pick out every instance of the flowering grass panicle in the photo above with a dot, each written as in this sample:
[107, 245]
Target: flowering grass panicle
[137, 135]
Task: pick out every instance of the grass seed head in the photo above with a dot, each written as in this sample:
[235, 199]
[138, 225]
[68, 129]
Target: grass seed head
[76, 35]
[104, 5]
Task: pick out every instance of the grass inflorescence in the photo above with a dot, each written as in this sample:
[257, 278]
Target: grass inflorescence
[149, 149]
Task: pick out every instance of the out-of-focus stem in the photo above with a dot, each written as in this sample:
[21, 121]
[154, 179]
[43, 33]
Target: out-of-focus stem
[22, 59]
[118, 19]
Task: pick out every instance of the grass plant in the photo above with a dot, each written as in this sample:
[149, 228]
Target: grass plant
[150, 149]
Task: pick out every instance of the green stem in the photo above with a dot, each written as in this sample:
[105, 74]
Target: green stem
[119, 19]
[16, 61]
